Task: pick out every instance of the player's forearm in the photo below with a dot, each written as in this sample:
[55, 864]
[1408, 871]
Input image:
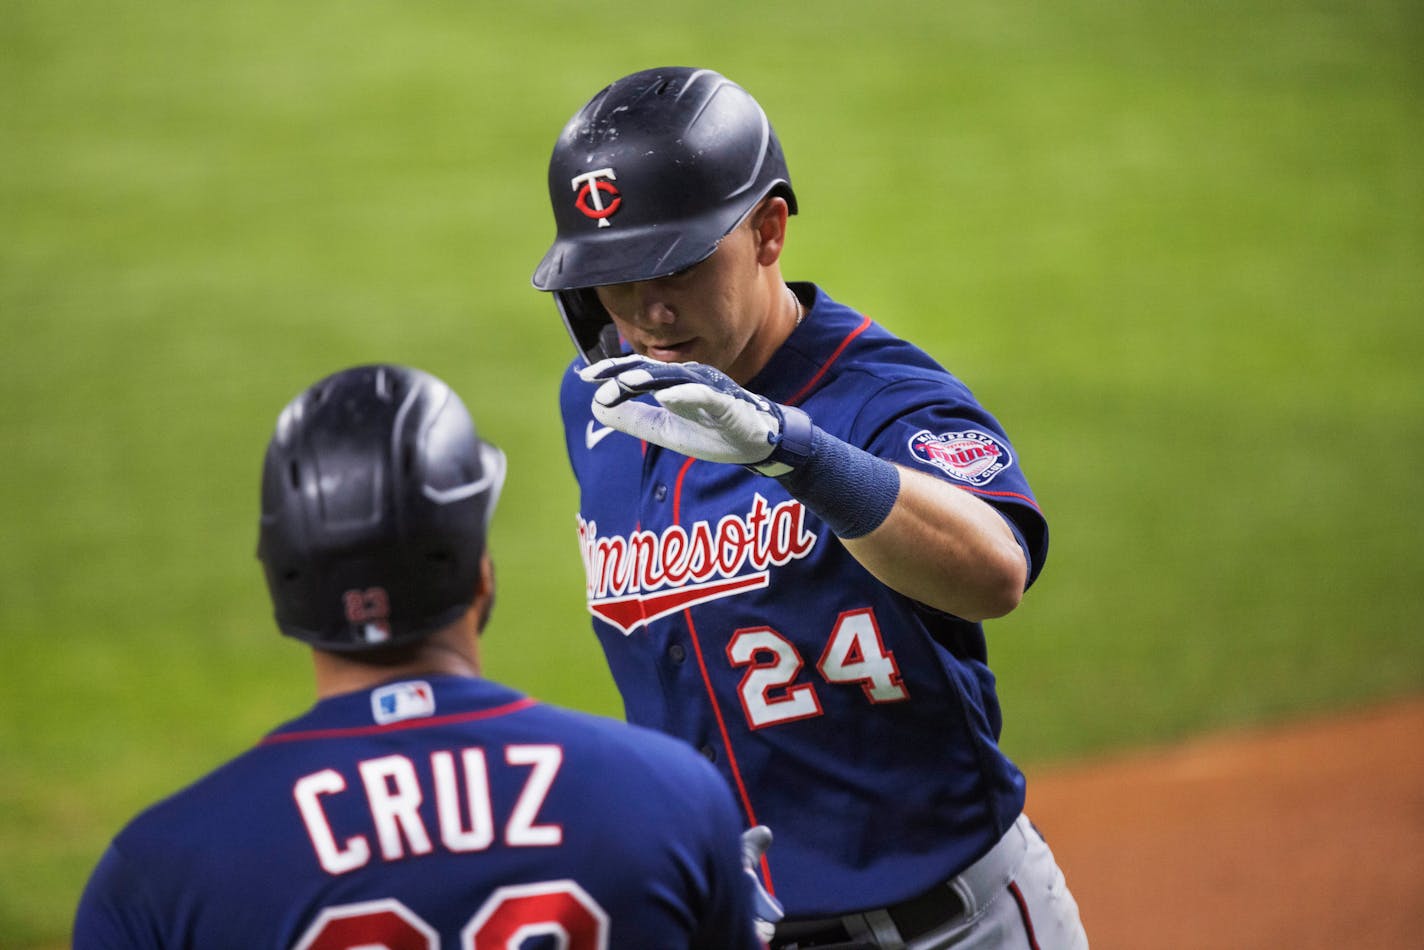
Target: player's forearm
[943, 547]
[916, 533]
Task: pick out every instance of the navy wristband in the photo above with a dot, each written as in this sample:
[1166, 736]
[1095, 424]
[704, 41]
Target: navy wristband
[850, 490]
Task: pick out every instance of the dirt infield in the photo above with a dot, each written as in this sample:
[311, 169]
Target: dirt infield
[1303, 837]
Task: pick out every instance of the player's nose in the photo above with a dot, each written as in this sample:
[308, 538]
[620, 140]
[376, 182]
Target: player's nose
[652, 304]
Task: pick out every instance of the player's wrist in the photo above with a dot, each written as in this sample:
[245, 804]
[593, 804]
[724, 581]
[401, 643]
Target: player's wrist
[793, 444]
[850, 490]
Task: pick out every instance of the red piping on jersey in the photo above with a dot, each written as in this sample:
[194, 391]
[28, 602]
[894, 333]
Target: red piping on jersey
[1023, 914]
[801, 393]
[677, 491]
[726, 741]
[354, 731]
[711, 696]
[1001, 494]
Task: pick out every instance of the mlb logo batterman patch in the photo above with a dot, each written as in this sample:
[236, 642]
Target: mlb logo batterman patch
[973, 456]
[409, 700]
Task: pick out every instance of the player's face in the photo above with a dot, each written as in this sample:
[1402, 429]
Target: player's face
[719, 312]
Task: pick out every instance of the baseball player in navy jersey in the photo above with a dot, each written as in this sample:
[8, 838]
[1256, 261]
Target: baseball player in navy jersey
[792, 525]
[417, 805]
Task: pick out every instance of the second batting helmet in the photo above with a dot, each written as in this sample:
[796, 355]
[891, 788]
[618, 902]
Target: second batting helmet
[376, 498]
[646, 179]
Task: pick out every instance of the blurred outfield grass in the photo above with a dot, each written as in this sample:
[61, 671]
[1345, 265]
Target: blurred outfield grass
[1177, 247]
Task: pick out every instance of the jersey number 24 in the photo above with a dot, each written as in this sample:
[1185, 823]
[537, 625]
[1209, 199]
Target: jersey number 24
[854, 654]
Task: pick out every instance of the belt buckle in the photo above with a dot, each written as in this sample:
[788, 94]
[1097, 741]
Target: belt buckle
[911, 918]
[827, 934]
[928, 911]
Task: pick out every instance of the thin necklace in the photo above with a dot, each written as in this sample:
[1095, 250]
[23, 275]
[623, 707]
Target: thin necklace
[800, 308]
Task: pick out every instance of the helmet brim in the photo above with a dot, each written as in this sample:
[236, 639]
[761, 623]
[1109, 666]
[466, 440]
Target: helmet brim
[643, 253]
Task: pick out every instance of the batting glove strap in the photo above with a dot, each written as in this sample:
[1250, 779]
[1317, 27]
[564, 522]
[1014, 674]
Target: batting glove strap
[791, 445]
[850, 490]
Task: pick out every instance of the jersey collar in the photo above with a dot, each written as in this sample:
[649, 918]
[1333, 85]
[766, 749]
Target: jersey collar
[801, 363]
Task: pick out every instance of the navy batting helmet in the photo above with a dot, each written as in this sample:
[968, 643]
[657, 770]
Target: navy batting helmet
[646, 179]
[376, 498]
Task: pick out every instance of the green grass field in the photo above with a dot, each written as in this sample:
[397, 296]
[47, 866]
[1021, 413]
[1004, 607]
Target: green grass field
[1178, 247]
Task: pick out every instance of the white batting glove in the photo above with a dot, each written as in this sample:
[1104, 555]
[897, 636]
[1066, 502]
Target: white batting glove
[700, 413]
[766, 909]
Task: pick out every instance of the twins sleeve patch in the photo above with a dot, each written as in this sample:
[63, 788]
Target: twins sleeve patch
[973, 457]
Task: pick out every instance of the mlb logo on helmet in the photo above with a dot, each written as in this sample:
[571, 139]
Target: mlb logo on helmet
[592, 187]
[409, 700]
[974, 457]
[370, 610]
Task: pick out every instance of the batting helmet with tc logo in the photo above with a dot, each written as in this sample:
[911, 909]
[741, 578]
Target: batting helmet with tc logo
[646, 179]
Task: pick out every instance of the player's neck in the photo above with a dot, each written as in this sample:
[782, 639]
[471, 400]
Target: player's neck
[453, 651]
[782, 313]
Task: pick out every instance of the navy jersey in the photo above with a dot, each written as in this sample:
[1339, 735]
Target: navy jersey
[446, 811]
[860, 725]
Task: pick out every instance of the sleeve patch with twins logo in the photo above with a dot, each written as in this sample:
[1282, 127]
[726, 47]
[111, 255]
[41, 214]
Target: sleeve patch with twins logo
[973, 457]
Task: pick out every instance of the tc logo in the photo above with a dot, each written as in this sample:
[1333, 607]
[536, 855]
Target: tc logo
[591, 188]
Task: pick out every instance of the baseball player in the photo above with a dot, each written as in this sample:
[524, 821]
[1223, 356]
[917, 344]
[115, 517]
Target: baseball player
[792, 525]
[417, 805]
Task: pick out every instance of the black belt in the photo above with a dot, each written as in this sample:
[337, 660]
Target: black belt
[912, 918]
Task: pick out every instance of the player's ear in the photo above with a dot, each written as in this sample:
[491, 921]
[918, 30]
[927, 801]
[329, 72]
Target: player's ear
[768, 223]
[484, 593]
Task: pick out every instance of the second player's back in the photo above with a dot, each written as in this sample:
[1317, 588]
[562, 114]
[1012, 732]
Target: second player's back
[450, 807]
